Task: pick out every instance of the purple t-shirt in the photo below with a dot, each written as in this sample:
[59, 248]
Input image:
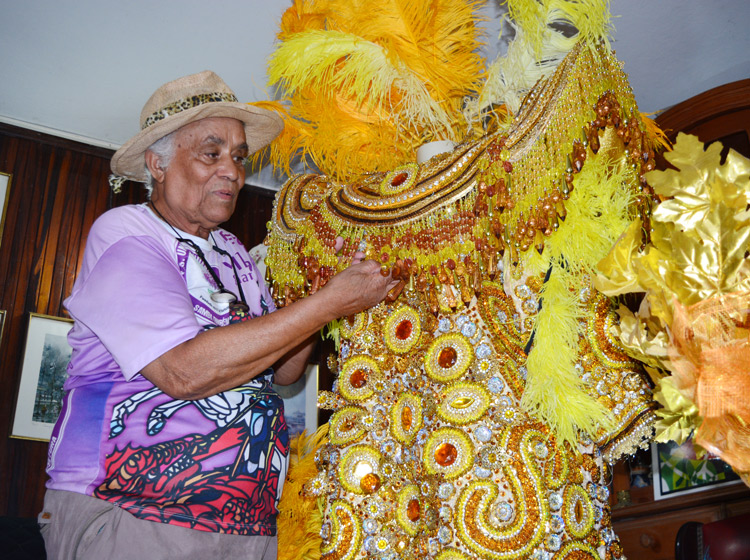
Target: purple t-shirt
[214, 464]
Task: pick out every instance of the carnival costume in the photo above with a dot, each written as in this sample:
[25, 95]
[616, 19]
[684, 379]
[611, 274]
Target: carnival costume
[475, 413]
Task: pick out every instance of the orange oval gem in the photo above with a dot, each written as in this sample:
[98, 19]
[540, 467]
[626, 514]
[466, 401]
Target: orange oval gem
[447, 357]
[370, 483]
[404, 329]
[413, 510]
[578, 512]
[406, 418]
[446, 454]
[399, 179]
[358, 379]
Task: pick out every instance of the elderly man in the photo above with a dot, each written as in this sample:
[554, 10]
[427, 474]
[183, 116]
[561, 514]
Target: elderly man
[172, 442]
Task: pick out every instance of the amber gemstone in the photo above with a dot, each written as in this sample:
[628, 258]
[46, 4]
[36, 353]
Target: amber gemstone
[447, 357]
[579, 512]
[413, 510]
[406, 418]
[370, 483]
[446, 454]
[349, 423]
[404, 329]
[399, 179]
[358, 379]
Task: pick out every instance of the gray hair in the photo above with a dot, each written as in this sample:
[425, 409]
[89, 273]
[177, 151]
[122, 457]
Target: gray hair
[163, 149]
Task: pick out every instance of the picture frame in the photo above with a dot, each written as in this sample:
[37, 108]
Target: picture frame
[2, 325]
[677, 471]
[43, 372]
[5, 180]
[301, 402]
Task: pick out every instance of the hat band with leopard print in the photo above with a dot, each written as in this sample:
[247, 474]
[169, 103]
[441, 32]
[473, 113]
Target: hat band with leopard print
[185, 104]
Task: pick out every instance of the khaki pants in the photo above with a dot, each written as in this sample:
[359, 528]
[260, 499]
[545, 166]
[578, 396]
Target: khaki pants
[78, 527]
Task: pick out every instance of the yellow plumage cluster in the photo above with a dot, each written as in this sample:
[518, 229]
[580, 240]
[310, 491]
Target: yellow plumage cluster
[537, 48]
[362, 85]
[599, 210]
[299, 517]
[365, 83]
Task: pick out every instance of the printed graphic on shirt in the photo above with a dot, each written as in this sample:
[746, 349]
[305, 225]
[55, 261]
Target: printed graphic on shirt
[227, 479]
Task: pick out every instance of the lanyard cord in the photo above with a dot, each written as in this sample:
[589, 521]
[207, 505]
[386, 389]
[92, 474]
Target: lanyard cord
[199, 252]
[234, 268]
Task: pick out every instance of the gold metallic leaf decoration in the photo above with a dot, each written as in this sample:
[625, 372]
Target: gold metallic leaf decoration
[694, 321]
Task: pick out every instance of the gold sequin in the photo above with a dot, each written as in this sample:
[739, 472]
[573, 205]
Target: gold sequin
[408, 509]
[357, 379]
[463, 403]
[406, 418]
[345, 426]
[356, 463]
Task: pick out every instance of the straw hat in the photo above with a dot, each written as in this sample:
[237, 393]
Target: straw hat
[187, 100]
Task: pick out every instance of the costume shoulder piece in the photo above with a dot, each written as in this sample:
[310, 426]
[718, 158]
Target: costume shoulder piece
[546, 199]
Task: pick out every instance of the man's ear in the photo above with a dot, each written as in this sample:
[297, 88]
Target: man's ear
[154, 166]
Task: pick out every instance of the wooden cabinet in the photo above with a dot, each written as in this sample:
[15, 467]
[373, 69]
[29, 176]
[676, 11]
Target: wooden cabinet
[653, 537]
[647, 528]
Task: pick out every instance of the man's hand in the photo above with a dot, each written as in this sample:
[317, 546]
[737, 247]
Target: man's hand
[358, 256]
[357, 288]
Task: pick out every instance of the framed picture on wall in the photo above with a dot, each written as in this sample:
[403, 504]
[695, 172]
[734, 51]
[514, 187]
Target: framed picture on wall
[678, 471]
[45, 363]
[4, 195]
[301, 402]
[2, 324]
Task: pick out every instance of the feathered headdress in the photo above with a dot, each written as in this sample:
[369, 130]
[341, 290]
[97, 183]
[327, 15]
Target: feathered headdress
[365, 83]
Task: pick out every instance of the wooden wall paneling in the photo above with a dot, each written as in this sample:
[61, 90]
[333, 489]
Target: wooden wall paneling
[15, 453]
[55, 187]
[72, 213]
[58, 189]
[721, 113]
[73, 248]
[254, 210]
[707, 107]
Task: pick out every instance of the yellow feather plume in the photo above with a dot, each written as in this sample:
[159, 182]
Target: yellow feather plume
[299, 518]
[657, 137]
[537, 48]
[394, 73]
[599, 209]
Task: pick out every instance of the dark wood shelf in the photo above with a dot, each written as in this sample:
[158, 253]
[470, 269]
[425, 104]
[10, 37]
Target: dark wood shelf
[727, 493]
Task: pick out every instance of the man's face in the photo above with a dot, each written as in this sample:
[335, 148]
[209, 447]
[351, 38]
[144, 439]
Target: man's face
[199, 189]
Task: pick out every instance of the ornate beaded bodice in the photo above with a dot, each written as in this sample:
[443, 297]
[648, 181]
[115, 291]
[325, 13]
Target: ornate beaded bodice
[455, 404]
[431, 454]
